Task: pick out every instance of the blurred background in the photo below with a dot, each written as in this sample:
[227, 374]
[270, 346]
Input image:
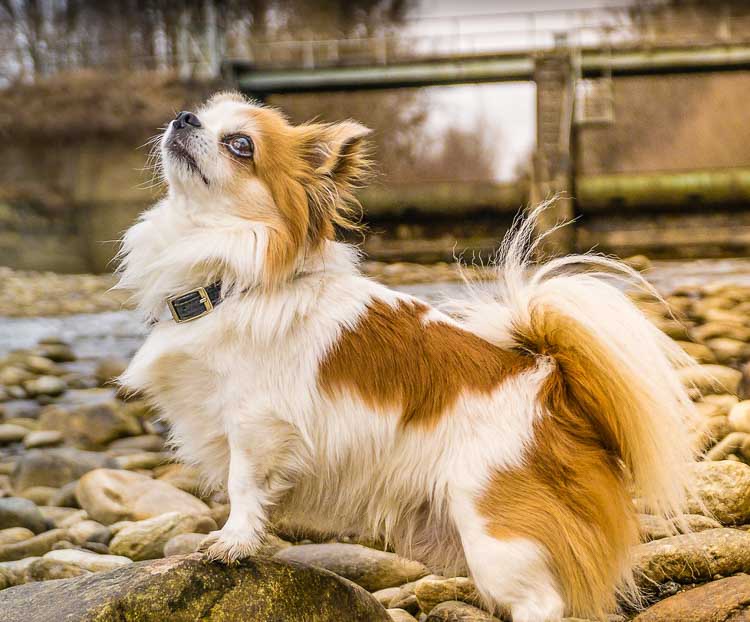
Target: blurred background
[635, 111]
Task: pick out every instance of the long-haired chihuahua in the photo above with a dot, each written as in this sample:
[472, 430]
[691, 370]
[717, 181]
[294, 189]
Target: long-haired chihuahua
[506, 436]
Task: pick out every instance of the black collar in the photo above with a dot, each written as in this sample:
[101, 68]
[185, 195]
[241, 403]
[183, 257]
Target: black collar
[195, 303]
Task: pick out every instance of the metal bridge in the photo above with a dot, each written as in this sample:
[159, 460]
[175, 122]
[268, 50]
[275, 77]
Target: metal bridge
[571, 56]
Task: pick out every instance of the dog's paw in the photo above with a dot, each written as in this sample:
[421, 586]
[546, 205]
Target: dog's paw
[229, 547]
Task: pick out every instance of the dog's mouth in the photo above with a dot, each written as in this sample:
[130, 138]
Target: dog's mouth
[179, 151]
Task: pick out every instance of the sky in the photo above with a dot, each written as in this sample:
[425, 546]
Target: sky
[506, 111]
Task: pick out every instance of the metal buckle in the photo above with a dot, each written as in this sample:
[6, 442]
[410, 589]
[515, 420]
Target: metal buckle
[204, 300]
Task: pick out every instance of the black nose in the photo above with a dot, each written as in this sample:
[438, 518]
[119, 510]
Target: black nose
[185, 118]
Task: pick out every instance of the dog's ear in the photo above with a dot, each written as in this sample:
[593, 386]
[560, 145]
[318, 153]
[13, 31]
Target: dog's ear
[338, 158]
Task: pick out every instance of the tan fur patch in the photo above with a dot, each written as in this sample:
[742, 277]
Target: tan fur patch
[571, 496]
[393, 359]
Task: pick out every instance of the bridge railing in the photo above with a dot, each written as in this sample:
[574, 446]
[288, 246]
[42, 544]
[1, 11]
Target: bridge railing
[514, 32]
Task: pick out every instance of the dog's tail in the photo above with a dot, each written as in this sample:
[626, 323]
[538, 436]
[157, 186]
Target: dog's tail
[613, 369]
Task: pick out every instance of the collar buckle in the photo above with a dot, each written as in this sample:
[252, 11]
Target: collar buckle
[186, 308]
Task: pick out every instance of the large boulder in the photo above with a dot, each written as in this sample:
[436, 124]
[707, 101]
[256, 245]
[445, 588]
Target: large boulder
[726, 600]
[372, 569]
[55, 467]
[110, 495]
[185, 589]
[723, 489]
[692, 558]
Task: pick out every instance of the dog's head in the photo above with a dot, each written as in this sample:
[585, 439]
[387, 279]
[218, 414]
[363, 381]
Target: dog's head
[237, 156]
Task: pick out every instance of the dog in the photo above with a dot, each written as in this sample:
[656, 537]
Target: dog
[506, 437]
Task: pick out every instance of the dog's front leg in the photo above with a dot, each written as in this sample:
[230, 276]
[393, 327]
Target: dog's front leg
[243, 532]
[266, 455]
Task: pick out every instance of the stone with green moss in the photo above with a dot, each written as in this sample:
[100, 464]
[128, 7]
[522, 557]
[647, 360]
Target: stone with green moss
[185, 589]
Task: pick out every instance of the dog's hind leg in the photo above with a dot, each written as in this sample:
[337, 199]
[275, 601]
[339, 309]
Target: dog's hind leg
[512, 574]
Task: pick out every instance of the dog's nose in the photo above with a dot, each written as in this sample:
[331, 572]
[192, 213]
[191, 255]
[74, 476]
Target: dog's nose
[185, 118]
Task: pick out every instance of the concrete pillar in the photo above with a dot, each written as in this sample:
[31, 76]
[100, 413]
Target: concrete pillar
[553, 170]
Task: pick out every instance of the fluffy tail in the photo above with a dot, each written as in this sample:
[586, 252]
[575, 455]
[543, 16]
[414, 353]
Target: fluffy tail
[614, 369]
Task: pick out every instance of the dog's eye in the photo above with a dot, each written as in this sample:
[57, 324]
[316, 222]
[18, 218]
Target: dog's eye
[241, 146]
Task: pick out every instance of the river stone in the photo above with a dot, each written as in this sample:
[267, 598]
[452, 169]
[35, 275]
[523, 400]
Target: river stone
[372, 569]
[90, 426]
[109, 496]
[655, 528]
[701, 353]
[86, 560]
[108, 369]
[14, 375]
[711, 378]
[430, 592]
[730, 444]
[15, 534]
[183, 544]
[55, 467]
[727, 350]
[45, 385]
[185, 589]
[40, 495]
[42, 438]
[44, 569]
[7, 578]
[11, 433]
[17, 512]
[692, 558]
[456, 611]
[739, 417]
[184, 477]
[57, 352]
[712, 330]
[38, 545]
[89, 531]
[142, 442]
[724, 489]
[146, 539]
[399, 615]
[725, 600]
[143, 460]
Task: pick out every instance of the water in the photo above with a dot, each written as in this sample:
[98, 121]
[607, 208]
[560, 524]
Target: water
[120, 333]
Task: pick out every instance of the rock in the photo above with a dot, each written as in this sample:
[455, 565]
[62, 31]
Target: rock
[45, 385]
[701, 353]
[17, 512]
[42, 438]
[655, 528]
[39, 495]
[399, 615]
[90, 531]
[711, 378]
[692, 558]
[7, 578]
[183, 477]
[188, 589]
[15, 534]
[42, 366]
[10, 433]
[108, 369]
[56, 467]
[21, 409]
[90, 426]
[727, 350]
[372, 569]
[44, 569]
[65, 496]
[110, 496]
[142, 442]
[725, 600]
[739, 417]
[57, 352]
[728, 445]
[12, 375]
[385, 596]
[430, 592]
[709, 431]
[62, 517]
[18, 569]
[183, 544]
[146, 539]
[713, 330]
[456, 611]
[88, 561]
[724, 489]
[38, 545]
[143, 460]
[638, 262]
